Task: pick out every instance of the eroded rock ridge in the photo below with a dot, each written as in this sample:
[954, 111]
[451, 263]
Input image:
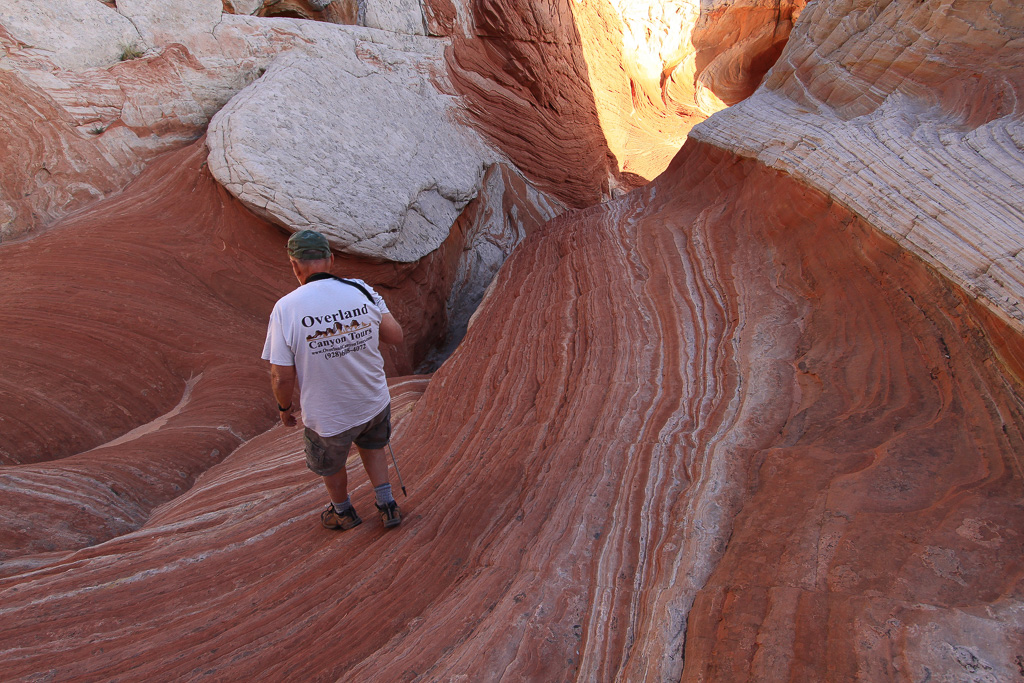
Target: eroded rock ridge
[748, 410]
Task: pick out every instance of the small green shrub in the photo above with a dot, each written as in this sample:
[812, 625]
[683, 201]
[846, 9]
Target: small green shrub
[130, 51]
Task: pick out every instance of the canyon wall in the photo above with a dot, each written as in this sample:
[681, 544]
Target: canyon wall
[593, 98]
[909, 114]
[719, 429]
[760, 418]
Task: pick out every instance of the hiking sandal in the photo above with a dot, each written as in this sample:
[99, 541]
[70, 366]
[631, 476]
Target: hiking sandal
[344, 521]
[389, 514]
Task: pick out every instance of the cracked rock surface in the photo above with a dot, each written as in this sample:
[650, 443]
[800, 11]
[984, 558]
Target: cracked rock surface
[351, 137]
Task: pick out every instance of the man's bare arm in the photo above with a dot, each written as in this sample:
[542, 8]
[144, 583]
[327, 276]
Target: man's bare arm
[390, 330]
[282, 383]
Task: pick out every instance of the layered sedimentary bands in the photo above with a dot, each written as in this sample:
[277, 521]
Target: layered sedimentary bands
[732, 425]
[591, 98]
[130, 336]
[721, 414]
[910, 114]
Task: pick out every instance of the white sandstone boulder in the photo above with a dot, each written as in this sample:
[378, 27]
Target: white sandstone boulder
[73, 34]
[350, 136]
[168, 21]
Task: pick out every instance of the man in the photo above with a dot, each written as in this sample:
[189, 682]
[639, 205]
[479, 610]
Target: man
[325, 335]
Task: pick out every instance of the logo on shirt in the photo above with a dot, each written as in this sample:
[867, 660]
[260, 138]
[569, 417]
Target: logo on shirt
[310, 320]
[338, 329]
[341, 338]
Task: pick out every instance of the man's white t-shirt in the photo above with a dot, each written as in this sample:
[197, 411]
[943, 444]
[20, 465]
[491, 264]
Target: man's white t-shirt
[330, 332]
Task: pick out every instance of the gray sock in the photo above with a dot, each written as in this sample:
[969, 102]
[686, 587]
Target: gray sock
[341, 507]
[383, 494]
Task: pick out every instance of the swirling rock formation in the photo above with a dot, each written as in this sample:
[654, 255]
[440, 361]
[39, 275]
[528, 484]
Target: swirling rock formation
[116, 397]
[910, 115]
[734, 43]
[722, 428]
[590, 98]
[723, 407]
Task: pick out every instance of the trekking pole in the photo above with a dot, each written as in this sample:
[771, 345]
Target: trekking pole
[400, 482]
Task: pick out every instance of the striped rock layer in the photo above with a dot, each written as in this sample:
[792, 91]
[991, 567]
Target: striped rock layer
[909, 114]
[719, 429]
[730, 426]
[130, 337]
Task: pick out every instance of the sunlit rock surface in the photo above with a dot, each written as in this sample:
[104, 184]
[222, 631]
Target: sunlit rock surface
[910, 115]
[721, 418]
[591, 97]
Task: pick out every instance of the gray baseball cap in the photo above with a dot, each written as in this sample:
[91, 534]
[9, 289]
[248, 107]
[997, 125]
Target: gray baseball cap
[308, 245]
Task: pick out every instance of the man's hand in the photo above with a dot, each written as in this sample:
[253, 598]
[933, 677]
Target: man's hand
[287, 419]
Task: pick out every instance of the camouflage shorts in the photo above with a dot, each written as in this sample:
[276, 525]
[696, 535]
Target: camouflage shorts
[327, 455]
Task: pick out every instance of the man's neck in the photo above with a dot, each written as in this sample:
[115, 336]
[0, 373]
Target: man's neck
[319, 275]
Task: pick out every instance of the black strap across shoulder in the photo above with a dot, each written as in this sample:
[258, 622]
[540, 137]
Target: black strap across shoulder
[328, 276]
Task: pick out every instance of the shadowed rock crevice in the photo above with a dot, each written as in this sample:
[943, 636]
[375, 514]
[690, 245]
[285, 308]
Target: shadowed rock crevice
[334, 12]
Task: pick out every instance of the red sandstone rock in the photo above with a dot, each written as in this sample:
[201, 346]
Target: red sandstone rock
[723, 417]
[735, 44]
[909, 115]
[130, 344]
[588, 98]
[721, 408]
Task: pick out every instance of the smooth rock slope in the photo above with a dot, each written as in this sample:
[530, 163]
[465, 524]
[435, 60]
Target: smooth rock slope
[130, 344]
[731, 419]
